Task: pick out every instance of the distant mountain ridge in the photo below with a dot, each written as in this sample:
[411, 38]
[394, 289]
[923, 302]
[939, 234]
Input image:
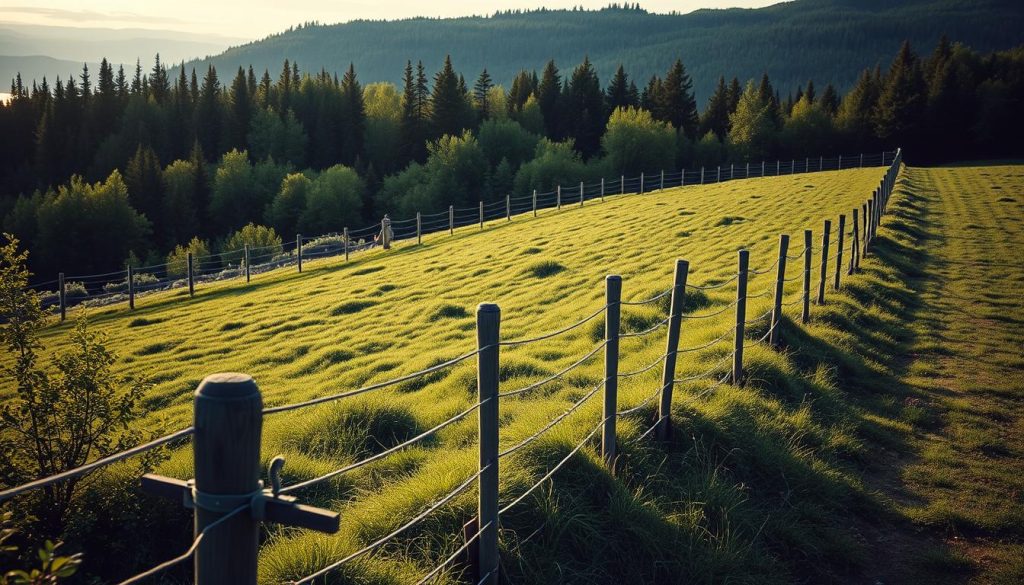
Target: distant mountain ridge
[826, 40]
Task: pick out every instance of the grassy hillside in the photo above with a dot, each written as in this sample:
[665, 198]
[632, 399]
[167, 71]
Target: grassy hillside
[827, 40]
[795, 477]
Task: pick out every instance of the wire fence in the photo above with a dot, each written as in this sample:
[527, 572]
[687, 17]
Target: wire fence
[216, 533]
[126, 286]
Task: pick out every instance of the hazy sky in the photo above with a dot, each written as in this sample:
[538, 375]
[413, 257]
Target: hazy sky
[250, 19]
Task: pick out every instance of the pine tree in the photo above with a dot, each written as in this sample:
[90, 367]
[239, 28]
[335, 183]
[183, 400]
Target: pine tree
[830, 100]
[856, 111]
[481, 88]
[766, 94]
[674, 102]
[549, 97]
[524, 84]
[241, 111]
[447, 102]
[716, 115]
[411, 125]
[902, 100]
[735, 91]
[618, 92]
[810, 91]
[353, 118]
[650, 96]
[159, 85]
[144, 178]
[585, 109]
[209, 116]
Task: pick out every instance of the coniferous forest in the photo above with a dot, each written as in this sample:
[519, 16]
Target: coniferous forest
[116, 166]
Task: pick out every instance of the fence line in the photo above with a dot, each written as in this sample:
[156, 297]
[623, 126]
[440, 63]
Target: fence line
[218, 400]
[103, 290]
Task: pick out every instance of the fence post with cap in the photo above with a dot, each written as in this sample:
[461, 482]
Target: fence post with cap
[775, 331]
[741, 316]
[839, 248]
[613, 295]
[675, 318]
[824, 261]
[488, 325]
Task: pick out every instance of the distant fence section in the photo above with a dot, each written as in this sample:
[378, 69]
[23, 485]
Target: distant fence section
[126, 286]
[230, 501]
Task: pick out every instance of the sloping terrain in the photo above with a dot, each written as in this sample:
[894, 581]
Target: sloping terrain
[880, 443]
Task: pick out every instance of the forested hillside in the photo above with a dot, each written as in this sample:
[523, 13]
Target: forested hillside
[824, 40]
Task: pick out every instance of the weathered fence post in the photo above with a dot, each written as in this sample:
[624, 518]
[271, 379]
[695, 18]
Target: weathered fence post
[508, 208]
[805, 313]
[741, 317]
[558, 197]
[131, 288]
[345, 237]
[622, 184]
[613, 294]
[581, 193]
[245, 258]
[451, 220]
[861, 160]
[602, 188]
[718, 175]
[775, 333]
[298, 250]
[762, 168]
[746, 174]
[668, 375]
[191, 277]
[864, 235]
[228, 420]
[62, 296]
[840, 162]
[641, 182]
[481, 214]
[839, 249]
[807, 164]
[792, 167]
[821, 163]
[778, 167]
[824, 261]
[868, 215]
[488, 325]
[419, 228]
[702, 175]
[732, 171]
[855, 251]
[661, 185]
[534, 203]
[682, 177]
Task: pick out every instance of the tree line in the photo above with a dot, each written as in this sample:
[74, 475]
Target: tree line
[96, 174]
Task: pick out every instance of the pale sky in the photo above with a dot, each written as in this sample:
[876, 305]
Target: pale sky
[252, 19]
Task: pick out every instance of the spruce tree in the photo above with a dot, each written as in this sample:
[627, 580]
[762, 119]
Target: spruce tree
[209, 115]
[447, 102]
[830, 100]
[618, 92]
[159, 85]
[481, 88]
[735, 91]
[902, 100]
[716, 115]
[549, 97]
[353, 121]
[411, 124]
[241, 111]
[585, 109]
[674, 102]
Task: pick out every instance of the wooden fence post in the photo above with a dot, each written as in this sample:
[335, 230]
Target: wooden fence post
[419, 228]
[807, 164]
[778, 167]
[613, 294]
[581, 193]
[839, 249]
[481, 214]
[718, 175]
[775, 333]
[298, 250]
[488, 325]
[732, 171]
[668, 375]
[824, 261]
[558, 197]
[534, 203]
[226, 446]
[741, 317]
[191, 277]
[868, 214]
[805, 313]
[451, 220]
[762, 168]
[602, 188]
[792, 167]
[661, 185]
[62, 296]
[508, 208]
[245, 258]
[622, 184]
[131, 288]
[861, 160]
[682, 177]
[821, 163]
[702, 175]
[641, 183]
[855, 251]
[746, 174]
[345, 236]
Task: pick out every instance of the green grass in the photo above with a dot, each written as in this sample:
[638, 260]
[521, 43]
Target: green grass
[843, 449]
